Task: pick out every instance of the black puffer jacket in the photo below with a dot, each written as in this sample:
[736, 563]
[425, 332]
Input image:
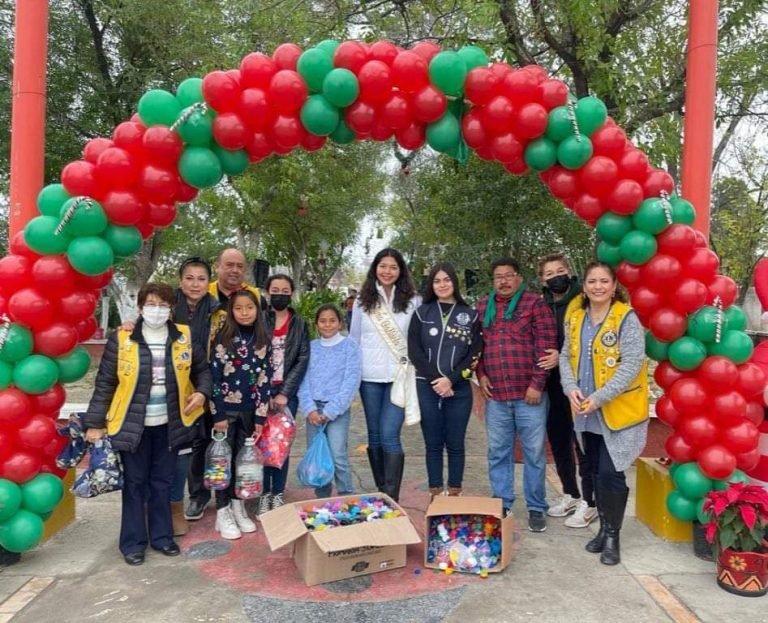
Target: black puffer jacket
[129, 436]
[296, 357]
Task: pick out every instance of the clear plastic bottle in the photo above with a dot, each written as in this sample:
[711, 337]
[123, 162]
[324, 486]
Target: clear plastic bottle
[249, 471]
[218, 463]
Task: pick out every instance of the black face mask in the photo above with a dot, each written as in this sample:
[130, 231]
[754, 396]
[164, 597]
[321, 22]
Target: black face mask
[559, 284]
[279, 301]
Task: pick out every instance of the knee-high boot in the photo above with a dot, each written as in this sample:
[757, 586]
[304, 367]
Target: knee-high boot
[596, 544]
[614, 504]
[376, 459]
[393, 474]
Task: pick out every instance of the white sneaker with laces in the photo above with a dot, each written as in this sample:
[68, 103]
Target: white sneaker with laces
[583, 516]
[225, 524]
[244, 523]
[265, 504]
[277, 501]
[564, 506]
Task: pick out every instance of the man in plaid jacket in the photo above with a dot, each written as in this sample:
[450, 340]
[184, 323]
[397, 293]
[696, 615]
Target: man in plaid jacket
[518, 328]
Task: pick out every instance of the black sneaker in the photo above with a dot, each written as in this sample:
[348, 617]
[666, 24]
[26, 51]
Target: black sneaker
[195, 510]
[536, 521]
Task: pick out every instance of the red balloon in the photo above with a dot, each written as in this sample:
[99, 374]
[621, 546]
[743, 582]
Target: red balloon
[688, 396]
[741, 437]
[157, 184]
[287, 91]
[77, 306]
[412, 137]
[381, 132]
[481, 85]
[94, 282]
[625, 197]
[384, 51]
[728, 408]
[18, 246]
[310, 142]
[230, 131]
[429, 104]
[130, 136]
[678, 450]
[500, 69]
[609, 141]
[666, 375]
[29, 307]
[633, 164]
[628, 274]
[52, 450]
[259, 147]
[145, 229]
[8, 443]
[599, 175]
[716, 461]
[116, 168]
[472, 130]
[667, 413]
[54, 274]
[286, 131]
[235, 75]
[588, 207]
[520, 86]
[530, 121]
[360, 117]
[396, 112]
[751, 380]
[426, 49]
[701, 264]
[678, 240]
[747, 461]
[644, 300]
[724, 288]
[667, 324]
[553, 93]
[256, 70]
[86, 328]
[537, 71]
[698, 431]
[516, 166]
[718, 373]
[661, 272]
[79, 178]
[221, 91]
[15, 273]
[656, 182]
[350, 55]
[55, 340]
[123, 207]
[163, 145]
[688, 296]
[20, 467]
[94, 148]
[185, 192]
[161, 214]
[755, 412]
[506, 147]
[375, 80]
[38, 432]
[14, 407]
[563, 183]
[497, 115]
[254, 109]
[410, 72]
[701, 239]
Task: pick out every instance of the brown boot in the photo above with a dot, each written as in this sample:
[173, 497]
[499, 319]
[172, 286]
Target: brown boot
[435, 491]
[180, 525]
[454, 491]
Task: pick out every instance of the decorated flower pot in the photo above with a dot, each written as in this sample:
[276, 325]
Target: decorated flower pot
[743, 573]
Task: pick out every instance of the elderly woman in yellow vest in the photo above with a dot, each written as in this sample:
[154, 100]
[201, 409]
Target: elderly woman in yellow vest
[150, 388]
[604, 374]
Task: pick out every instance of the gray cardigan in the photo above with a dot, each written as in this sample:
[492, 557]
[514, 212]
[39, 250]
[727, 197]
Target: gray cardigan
[623, 446]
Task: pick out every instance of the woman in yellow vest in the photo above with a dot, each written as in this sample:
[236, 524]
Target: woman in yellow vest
[151, 386]
[604, 374]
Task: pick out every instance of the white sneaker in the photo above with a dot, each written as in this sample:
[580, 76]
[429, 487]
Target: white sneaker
[225, 524]
[265, 504]
[564, 506]
[244, 523]
[276, 501]
[583, 516]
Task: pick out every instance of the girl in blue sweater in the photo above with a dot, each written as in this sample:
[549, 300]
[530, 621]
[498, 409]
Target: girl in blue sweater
[327, 391]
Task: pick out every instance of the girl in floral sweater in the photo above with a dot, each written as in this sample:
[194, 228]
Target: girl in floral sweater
[242, 382]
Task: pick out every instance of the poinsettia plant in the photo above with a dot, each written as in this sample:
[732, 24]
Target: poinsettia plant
[739, 516]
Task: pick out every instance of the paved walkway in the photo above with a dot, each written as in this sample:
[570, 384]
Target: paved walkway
[79, 575]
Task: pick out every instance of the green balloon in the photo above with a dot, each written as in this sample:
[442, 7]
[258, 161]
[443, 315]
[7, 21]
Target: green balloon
[637, 247]
[473, 57]
[736, 345]
[197, 128]
[682, 211]
[736, 476]
[10, 499]
[199, 167]
[6, 374]
[702, 324]
[319, 116]
[90, 255]
[609, 253]
[41, 494]
[343, 134]
[21, 532]
[447, 72]
[655, 348]
[328, 46]
[559, 124]
[158, 107]
[687, 353]
[40, 236]
[341, 87]
[87, 219]
[233, 162]
[651, 216]
[125, 241]
[444, 135]
[702, 516]
[681, 507]
[591, 113]
[51, 198]
[735, 318]
[189, 91]
[541, 154]
[673, 468]
[314, 65]
[613, 227]
[691, 482]
[73, 367]
[35, 374]
[17, 345]
[573, 152]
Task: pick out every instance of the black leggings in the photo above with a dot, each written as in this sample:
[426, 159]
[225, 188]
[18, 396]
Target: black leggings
[605, 473]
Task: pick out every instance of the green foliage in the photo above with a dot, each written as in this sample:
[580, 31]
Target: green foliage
[308, 303]
[738, 517]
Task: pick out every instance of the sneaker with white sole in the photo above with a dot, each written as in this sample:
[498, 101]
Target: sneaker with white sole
[244, 523]
[225, 524]
[583, 516]
[276, 501]
[265, 504]
[564, 506]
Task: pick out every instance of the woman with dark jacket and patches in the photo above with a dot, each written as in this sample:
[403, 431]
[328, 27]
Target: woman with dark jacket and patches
[290, 357]
[444, 340]
[151, 386]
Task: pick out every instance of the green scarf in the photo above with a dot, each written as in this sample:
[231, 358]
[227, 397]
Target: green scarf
[490, 309]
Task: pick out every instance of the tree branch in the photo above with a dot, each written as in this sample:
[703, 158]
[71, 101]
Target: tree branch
[515, 38]
[744, 105]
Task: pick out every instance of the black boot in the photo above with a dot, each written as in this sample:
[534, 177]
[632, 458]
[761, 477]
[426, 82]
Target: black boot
[376, 459]
[595, 546]
[393, 474]
[615, 503]
[701, 549]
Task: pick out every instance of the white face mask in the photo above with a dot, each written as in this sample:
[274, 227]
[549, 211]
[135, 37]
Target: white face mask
[155, 316]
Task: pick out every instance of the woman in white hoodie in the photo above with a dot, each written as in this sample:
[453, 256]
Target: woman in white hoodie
[387, 301]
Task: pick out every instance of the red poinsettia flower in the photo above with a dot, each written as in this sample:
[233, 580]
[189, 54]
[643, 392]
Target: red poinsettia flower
[748, 516]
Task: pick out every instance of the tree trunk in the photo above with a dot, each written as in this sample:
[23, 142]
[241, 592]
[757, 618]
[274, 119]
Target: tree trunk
[123, 292]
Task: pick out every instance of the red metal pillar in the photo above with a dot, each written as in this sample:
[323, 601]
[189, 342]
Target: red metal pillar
[700, 90]
[30, 53]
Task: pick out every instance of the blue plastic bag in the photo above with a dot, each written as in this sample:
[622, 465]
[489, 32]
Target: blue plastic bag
[316, 468]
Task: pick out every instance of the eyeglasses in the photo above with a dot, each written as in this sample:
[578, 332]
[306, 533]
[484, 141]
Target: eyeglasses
[505, 277]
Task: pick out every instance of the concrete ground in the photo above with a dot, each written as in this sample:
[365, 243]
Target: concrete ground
[80, 576]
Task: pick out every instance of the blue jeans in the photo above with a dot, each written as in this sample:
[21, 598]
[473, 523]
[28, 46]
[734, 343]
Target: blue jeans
[504, 420]
[180, 477]
[383, 419]
[444, 425]
[337, 432]
[276, 477]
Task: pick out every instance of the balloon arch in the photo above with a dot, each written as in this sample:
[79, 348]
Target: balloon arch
[126, 186]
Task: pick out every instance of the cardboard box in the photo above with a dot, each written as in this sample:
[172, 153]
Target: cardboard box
[342, 552]
[467, 505]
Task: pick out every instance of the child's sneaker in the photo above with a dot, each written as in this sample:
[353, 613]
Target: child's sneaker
[277, 501]
[225, 524]
[564, 506]
[265, 504]
[583, 516]
[244, 523]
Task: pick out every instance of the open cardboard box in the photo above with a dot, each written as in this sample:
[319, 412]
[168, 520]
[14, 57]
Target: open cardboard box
[468, 505]
[341, 552]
